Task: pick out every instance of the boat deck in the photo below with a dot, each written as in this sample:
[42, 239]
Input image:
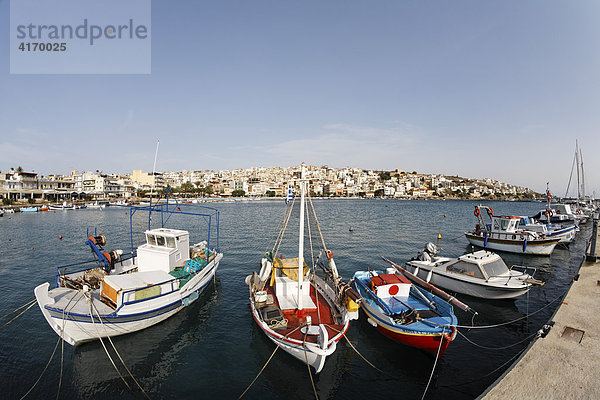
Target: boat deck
[321, 314]
[73, 301]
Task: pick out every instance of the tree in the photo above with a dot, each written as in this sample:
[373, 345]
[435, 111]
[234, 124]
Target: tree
[270, 193]
[379, 193]
[238, 193]
[384, 176]
[187, 187]
[20, 169]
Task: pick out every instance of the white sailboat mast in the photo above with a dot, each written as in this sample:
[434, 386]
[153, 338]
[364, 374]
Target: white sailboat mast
[577, 163]
[582, 175]
[301, 236]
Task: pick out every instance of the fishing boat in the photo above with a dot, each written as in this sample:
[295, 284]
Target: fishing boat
[116, 294]
[305, 311]
[97, 205]
[503, 234]
[44, 208]
[404, 312]
[479, 274]
[28, 209]
[565, 234]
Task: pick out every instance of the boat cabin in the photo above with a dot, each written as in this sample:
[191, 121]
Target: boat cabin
[504, 224]
[480, 264]
[164, 250]
[390, 285]
[286, 284]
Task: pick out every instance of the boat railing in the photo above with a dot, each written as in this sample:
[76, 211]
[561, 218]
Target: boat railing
[174, 288]
[85, 266]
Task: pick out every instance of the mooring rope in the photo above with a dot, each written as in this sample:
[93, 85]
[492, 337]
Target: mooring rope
[44, 371]
[437, 356]
[105, 349]
[361, 356]
[265, 366]
[18, 308]
[62, 345]
[489, 373]
[312, 382]
[119, 355]
[497, 348]
[31, 304]
[513, 321]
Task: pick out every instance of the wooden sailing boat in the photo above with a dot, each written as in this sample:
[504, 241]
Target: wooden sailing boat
[301, 311]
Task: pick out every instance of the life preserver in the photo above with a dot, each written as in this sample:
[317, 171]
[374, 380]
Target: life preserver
[477, 212]
[329, 254]
[490, 211]
[548, 213]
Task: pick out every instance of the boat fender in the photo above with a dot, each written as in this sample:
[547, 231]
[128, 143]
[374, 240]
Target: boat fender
[190, 299]
[265, 270]
[524, 245]
[485, 239]
[372, 322]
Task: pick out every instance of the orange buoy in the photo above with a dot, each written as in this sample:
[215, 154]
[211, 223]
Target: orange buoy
[32, 248]
[60, 237]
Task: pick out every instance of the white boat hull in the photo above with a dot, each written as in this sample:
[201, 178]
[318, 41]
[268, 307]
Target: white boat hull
[537, 247]
[495, 292]
[305, 352]
[78, 326]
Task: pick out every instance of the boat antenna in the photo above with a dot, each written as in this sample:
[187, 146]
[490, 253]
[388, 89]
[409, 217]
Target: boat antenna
[153, 171]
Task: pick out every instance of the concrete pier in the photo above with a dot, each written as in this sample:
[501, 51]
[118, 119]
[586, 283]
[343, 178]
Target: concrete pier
[566, 363]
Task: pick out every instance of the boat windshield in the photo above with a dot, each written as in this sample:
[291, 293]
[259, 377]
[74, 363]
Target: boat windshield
[495, 268]
[151, 239]
[465, 268]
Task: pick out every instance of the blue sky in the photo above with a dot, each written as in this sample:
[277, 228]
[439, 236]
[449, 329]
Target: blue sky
[479, 89]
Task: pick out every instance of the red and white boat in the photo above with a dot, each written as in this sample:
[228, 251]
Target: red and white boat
[304, 312]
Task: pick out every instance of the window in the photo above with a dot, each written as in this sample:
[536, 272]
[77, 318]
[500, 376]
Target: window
[151, 239]
[495, 268]
[160, 240]
[464, 268]
[170, 242]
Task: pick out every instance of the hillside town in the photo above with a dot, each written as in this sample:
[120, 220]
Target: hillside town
[255, 182]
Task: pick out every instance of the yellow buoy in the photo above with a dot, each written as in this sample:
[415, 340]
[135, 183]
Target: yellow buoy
[439, 236]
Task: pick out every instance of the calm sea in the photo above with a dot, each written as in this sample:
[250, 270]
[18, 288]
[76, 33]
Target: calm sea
[212, 349]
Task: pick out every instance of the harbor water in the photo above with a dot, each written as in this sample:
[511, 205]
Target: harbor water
[213, 349]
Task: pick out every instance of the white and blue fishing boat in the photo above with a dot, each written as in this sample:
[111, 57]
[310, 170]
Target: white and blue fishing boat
[503, 234]
[117, 293]
[404, 312]
[565, 234]
[28, 209]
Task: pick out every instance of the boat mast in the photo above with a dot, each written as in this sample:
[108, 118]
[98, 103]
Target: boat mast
[577, 162]
[301, 236]
[582, 176]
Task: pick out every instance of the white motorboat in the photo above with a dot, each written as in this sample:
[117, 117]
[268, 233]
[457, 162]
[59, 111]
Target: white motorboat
[116, 294]
[480, 274]
[502, 234]
[300, 311]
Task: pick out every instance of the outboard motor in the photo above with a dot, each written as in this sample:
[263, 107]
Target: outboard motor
[428, 252]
